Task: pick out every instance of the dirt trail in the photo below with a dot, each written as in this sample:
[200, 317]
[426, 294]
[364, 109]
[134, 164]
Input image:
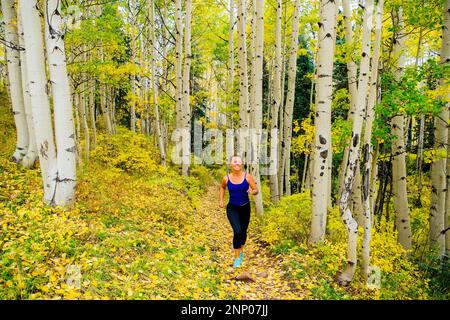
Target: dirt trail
[267, 277]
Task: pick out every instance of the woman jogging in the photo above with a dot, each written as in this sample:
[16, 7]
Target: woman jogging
[240, 185]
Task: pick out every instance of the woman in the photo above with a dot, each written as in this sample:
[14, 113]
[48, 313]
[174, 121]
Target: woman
[240, 185]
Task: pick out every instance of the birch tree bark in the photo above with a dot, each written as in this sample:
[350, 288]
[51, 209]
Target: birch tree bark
[15, 79]
[258, 83]
[178, 64]
[83, 111]
[29, 160]
[289, 107]
[133, 60]
[186, 108]
[439, 167]
[274, 191]
[230, 84]
[352, 165]
[447, 202]
[62, 106]
[153, 52]
[40, 105]
[243, 71]
[324, 91]
[367, 147]
[92, 113]
[352, 84]
[402, 221]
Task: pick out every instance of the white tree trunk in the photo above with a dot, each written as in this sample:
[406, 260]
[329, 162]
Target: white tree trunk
[39, 100]
[15, 78]
[352, 165]
[352, 85]
[243, 74]
[62, 106]
[324, 91]
[258, 83]
[92, 113]
[398, 149]
[289, 107]
[186, 108]
[439, 167]
[178, 64]
[367, 148]
[153, 52]
[274, 189]
[230, 84]
[29, 160]
[133, 60]
[447, 203]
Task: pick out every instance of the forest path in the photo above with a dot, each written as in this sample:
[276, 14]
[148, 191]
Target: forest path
[265, 269]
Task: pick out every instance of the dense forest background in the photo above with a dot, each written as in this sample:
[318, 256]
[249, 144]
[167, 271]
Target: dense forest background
[99, 101]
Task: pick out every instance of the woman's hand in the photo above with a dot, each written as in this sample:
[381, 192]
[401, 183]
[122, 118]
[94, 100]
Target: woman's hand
[221, 204]
[251, 191]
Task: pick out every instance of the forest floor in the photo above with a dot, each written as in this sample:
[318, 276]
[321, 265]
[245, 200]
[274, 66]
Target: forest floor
[261, 275]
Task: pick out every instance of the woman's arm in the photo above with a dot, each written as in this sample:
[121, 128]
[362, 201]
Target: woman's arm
[253, 188]
[223, 186]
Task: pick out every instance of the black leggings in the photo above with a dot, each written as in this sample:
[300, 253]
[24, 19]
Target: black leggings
[239, 217]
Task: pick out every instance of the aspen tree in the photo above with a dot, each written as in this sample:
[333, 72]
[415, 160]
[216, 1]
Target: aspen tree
[30, 158]
[243, 71]
[133, 60]
[402, 221]
[439, 166]
[367, 147]
[257, 85]
[289, 106]
[352, 165]
[274, 190]
[15, 79]
[186, 108]
[62, 105]
[153, 52]
[178, 64]
[40, 105]
[322, 143]
[230, 84]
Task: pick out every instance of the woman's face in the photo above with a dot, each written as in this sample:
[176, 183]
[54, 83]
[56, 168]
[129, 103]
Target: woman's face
[236, 163]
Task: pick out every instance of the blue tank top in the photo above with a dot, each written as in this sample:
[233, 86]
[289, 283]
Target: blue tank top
[238, 192]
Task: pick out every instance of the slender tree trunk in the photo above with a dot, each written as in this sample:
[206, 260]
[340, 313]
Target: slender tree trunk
[62, 106]
[29, 160]
[289, 107]
[447, 202]
[244, 121]
[186, 108]
[153, 52]
[92, 113]
[78, 126]
[15, 79]
[230, 84]
[402, 220]
[352, 166]
[84, 116]
[40, 105]
[274, 190]
[178, 64]
[324, 90]
[281, 113]
[258, 106]
[133, 60]
[420, 157]
[438, 168]
[352, 86]
[367, 148]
